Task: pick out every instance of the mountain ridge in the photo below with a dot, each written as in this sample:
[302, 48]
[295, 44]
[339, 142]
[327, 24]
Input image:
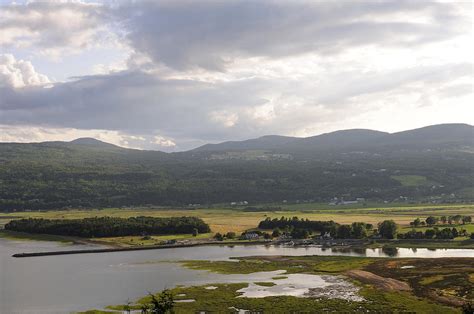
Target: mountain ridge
[351, 164]
[352, 138]
[438, 134]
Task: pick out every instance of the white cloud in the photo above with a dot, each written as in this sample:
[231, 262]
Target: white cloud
[30, 134]
[53, 28]
[214, 71]
[214, 35]
[162, 141]
[224, 118]
[19, 73]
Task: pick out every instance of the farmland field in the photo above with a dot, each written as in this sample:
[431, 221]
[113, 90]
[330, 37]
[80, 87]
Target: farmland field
[238, 220]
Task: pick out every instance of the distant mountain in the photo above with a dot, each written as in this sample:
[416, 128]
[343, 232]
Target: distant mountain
[268, 142]
[436, 136]
[89, 141]
[429, 164]
[336, 141]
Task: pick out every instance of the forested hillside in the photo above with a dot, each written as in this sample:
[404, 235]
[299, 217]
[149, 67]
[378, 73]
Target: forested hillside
[88, 173]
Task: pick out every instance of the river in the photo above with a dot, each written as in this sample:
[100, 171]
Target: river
[66, 283]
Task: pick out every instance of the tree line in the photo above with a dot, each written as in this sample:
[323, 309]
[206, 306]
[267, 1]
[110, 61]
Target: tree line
[436, 233]
[432, 220]
[110, 226]
[296, 223]
[303, 228]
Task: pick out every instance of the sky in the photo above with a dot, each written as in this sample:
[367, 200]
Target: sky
[173, 75]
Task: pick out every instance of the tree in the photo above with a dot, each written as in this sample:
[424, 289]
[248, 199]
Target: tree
[429, 233]
[359, 230]
[195, 232]
[267, 236]
[444, 219]
[416, 222]
[388, 229]
[431, 220]
[163, 304]
[344, 232]
[230, 235]
[219, 237]
[300, 234]
[127, 307]
[445, 233]
[454, 232]
[276, 232]
[144, 308]
[466, 219]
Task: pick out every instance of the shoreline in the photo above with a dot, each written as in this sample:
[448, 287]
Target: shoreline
[354, 245]
[138, 248]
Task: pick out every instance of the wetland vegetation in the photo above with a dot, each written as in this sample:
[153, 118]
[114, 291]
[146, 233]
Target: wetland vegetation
[384, 285]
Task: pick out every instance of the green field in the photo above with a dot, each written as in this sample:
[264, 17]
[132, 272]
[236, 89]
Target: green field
[413, 180]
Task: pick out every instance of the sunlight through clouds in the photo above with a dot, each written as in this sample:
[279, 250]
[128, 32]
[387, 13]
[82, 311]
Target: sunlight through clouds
[172, 75]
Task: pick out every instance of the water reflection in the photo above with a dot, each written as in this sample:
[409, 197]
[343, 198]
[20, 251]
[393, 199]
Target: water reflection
[390, 251]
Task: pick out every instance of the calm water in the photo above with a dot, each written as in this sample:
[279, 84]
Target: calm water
[62, 284]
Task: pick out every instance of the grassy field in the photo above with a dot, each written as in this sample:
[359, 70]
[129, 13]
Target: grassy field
[413, 180]
[237, 220]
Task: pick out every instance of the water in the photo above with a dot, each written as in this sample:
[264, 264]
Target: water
[65, 283]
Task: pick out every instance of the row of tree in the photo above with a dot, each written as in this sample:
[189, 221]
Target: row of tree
[432, 220]
[303, 228]
[110, 226]
[296, 223]
[445, 233]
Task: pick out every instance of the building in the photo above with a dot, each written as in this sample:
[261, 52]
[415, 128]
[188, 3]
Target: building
[250, 236]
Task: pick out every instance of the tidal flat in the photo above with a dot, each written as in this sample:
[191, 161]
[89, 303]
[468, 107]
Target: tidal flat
[323, 283]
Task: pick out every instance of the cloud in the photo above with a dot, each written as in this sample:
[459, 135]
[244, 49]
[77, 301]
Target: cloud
[163, 142]
[214, 71]
[143, 104]
[19, 73]
[53, 28]
[212, 35]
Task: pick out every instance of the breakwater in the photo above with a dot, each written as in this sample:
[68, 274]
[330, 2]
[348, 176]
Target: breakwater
[138, 248]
